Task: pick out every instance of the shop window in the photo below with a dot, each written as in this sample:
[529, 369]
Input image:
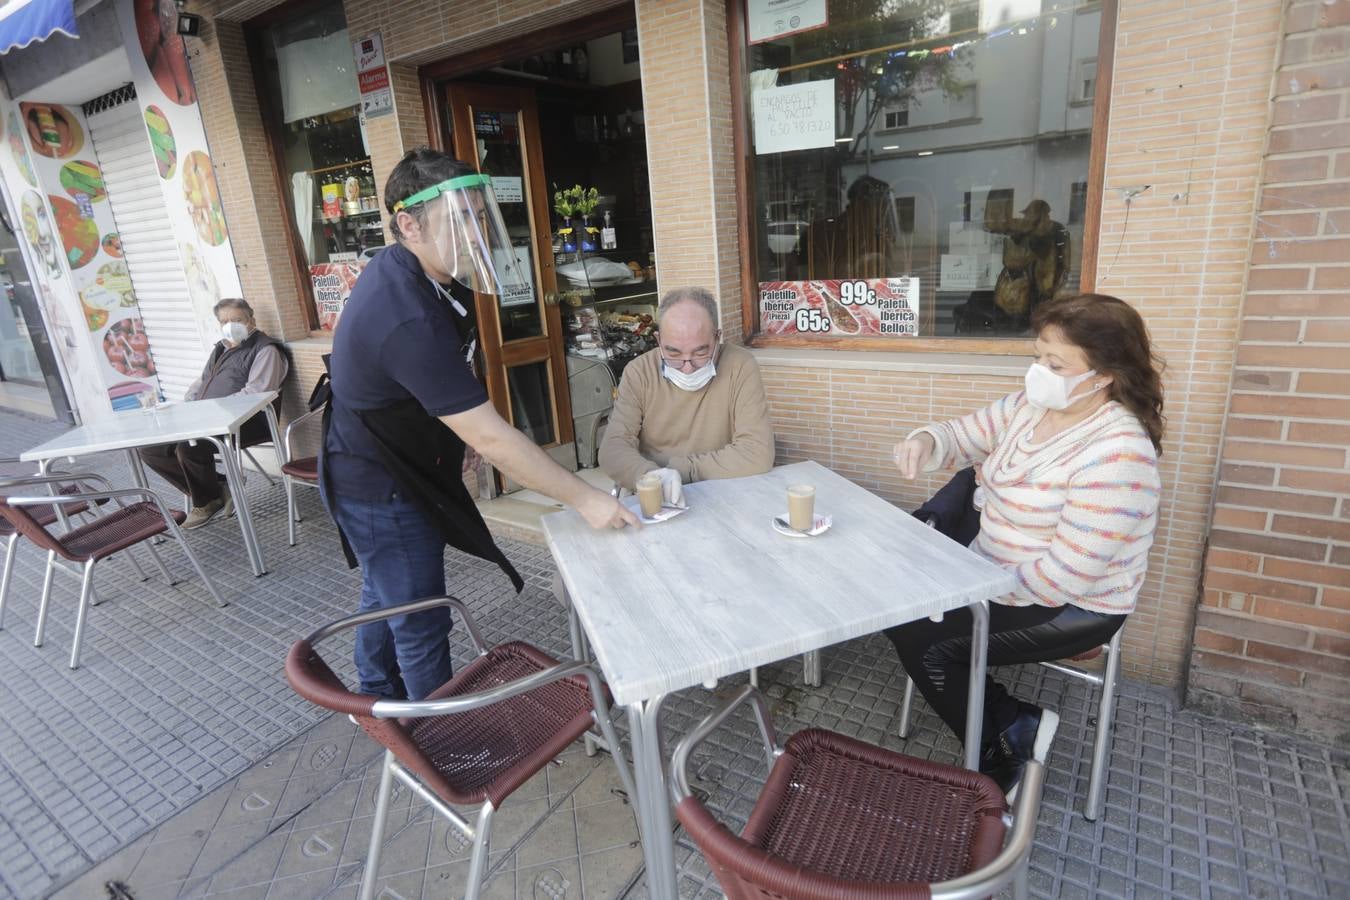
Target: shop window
[936, 160]
[307, 88]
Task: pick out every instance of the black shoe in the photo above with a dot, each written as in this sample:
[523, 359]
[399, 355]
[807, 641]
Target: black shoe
[1027, 738]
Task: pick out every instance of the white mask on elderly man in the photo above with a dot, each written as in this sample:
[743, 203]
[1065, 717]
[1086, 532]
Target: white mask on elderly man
[234, 332]
[689, 381]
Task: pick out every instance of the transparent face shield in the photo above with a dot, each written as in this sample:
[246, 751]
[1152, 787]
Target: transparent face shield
[463, 224]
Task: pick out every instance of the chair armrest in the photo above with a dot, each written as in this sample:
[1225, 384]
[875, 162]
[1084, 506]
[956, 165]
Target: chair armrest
[90, 496]
[989, 879]
[292, 425]
[56, 478]
[403, 609]
[679, 760]
[401, 709]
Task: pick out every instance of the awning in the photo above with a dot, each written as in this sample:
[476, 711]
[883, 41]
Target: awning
[24, 21]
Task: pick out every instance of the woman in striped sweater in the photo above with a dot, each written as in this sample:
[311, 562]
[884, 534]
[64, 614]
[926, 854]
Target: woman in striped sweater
[1068, 470]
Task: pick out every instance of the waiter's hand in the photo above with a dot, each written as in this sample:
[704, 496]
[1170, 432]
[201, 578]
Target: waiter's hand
[472, 460]
[912, 453]
[600, 510]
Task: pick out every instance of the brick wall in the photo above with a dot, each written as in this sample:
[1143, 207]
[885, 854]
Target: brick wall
[1188, 110]
[1272, 639]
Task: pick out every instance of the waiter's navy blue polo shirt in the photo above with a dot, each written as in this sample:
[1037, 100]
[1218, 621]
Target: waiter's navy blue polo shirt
[398, 338]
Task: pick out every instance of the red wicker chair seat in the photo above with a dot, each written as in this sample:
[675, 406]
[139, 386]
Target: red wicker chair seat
[842, 818]
[306, 468]
[116, 531]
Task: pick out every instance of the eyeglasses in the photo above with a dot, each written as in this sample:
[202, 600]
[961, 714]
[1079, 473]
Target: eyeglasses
[696, 361]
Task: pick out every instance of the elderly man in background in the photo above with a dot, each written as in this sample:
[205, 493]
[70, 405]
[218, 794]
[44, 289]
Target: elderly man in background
[690, 410]
[244, 361]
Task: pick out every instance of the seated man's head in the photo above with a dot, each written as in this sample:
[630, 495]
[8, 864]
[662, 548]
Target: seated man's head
[236, 320]
[689, 337]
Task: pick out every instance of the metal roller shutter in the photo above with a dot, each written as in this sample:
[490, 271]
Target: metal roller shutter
[148, 243]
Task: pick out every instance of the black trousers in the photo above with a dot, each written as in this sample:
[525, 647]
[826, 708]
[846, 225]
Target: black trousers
[937, 654]
[193, 469]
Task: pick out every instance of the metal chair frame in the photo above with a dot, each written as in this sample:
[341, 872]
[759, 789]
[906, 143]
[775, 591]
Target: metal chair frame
[478, 832]
[1107, 680]
[292, 513]
[1009, 867]
[86, 572]
[12, 541]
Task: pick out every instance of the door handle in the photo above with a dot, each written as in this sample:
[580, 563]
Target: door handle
[550, 298]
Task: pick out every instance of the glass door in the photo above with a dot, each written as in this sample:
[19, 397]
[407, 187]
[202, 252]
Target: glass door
[496, 130]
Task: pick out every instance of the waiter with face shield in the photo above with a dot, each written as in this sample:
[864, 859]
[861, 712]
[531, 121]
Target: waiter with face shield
[405, 403]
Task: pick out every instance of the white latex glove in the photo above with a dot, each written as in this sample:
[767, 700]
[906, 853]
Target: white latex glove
[672, 491]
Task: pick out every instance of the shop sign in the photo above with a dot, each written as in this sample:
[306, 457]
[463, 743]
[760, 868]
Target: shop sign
[794, 117]
[849, 308]
[772, 19]
[518, 293]
[372, 77]
[969, 271]
[332, 283]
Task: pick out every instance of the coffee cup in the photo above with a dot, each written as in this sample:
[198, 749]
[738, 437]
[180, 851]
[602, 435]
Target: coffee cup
[649, 494]
[801, 506]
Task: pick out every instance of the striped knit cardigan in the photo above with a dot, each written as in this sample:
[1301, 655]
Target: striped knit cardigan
[1073, 516]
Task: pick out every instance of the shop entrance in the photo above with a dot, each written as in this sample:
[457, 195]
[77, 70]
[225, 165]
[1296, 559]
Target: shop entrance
[560, 133]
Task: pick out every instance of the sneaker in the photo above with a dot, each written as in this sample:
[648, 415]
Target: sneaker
[200, 515]
[228, 509]
[1027, 738]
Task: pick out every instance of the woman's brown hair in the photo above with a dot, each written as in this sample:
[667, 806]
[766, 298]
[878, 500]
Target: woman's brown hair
[1115, 341]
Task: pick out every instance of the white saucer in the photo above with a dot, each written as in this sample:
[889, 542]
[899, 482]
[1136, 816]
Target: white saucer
[820, 526]
[666, 512]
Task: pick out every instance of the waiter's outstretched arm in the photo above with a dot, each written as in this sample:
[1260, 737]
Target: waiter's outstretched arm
[510, 450]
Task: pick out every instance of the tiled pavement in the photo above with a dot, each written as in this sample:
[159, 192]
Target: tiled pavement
[177, 762]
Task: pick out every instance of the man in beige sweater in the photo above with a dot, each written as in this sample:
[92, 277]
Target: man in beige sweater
[690, 410]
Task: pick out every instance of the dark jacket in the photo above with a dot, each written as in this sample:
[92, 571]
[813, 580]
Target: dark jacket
[426, 457]
[952, 510]
[227, 368]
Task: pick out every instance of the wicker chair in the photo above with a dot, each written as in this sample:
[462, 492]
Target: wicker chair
[840, 819]
[88, 544]
[304, 470]
[474, 740]
[45, 515]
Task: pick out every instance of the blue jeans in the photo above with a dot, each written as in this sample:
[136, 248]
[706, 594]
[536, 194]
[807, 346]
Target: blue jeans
[402, 559]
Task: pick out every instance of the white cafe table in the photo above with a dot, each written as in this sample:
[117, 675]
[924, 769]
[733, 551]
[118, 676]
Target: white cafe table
[214, 421]
[716, 591]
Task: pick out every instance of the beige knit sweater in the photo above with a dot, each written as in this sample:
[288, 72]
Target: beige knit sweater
[1073, 516]
[721, 431]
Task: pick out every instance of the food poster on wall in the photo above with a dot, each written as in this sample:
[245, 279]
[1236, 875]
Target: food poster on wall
[57, 197]
[85, 235]
[859, 307]
[333, 283]
[187, 175]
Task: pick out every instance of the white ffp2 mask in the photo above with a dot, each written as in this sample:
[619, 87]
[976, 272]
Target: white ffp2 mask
[689, 381]
[234, 332]
[1047, 390]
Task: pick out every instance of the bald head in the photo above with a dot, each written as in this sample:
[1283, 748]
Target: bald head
[688, 325]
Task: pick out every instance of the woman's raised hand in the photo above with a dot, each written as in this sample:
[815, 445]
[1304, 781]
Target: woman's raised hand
[912, 453]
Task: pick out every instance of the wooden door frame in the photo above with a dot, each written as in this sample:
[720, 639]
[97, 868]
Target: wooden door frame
[498, 357]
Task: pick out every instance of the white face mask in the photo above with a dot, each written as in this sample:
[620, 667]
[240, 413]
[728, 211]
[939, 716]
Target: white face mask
[1047, 390]
[689, 381]
[234, 332]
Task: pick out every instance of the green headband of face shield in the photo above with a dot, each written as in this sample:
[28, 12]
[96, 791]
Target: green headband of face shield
[453, 184]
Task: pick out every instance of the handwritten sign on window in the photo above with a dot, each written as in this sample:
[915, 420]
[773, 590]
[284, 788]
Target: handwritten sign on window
[795, 117]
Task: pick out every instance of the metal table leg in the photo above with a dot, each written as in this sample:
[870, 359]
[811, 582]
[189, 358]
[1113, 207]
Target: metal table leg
[236, 485]
[654, 818]
[137, 469]
[979, 651]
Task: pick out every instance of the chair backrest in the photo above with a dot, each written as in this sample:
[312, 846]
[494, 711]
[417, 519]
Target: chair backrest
[24, 523]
